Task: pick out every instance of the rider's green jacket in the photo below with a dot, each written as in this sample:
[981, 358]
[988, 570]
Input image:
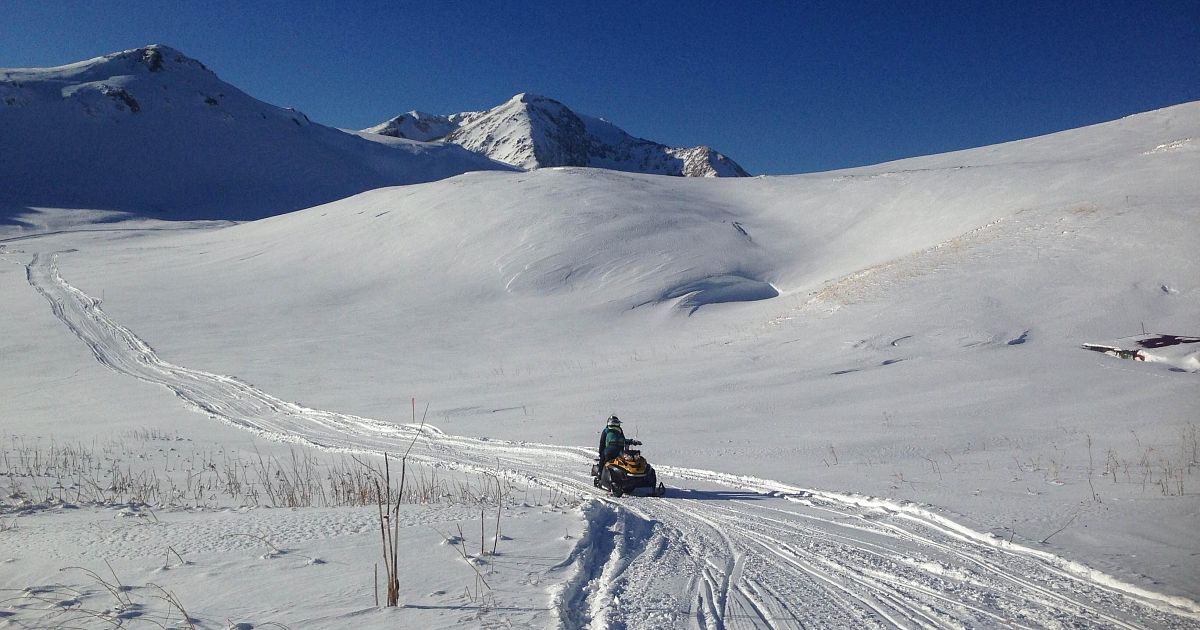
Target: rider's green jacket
[611, 437]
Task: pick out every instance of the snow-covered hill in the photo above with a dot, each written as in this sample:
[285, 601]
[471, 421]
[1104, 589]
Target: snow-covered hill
[154, 132]
[865, 388]
[533, 131]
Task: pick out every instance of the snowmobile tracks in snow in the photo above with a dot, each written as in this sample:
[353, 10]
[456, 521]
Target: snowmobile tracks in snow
[728, 552]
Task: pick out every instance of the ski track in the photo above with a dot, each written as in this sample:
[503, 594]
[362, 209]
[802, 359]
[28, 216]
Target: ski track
[777, 557]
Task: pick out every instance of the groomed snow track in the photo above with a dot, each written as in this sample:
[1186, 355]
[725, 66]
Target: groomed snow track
[726, 552]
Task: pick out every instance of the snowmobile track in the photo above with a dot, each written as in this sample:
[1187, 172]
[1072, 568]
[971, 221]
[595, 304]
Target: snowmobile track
[776, 556]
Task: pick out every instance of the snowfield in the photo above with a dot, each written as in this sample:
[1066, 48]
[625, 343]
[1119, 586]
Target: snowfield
[726, 549]
[864, 389]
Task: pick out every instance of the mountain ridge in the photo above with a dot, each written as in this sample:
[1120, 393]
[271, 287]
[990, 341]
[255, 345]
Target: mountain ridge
[532, 131]
[152, 131]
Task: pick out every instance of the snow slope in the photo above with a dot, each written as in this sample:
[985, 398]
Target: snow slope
[263, 568]
[767, 549]
[788, 348]
[532, 131]
[152, 132]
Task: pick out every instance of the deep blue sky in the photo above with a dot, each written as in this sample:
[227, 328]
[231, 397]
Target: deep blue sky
[781, 87]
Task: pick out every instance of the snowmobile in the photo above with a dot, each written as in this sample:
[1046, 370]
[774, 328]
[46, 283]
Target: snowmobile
[626, 472]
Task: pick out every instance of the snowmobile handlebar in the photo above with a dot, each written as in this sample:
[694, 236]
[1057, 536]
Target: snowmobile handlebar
[632, 443]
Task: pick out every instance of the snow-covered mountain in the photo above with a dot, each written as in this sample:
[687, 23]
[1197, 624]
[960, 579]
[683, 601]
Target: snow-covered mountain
[419, 126]
[533, 131]
[150, 130]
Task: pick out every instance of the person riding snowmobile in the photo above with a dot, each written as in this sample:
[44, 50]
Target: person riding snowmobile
[612, 440]
[620, 470]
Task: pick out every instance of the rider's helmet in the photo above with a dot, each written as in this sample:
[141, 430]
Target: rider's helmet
[614, 421]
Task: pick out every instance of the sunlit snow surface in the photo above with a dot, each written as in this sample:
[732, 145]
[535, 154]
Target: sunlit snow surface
[924, 346]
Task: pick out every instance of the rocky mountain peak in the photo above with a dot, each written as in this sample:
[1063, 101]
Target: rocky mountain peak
[534, 131]
[152, 58]
[415, 125]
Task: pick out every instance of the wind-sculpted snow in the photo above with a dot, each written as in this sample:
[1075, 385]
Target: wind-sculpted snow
[719, 551]
[720, 289]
